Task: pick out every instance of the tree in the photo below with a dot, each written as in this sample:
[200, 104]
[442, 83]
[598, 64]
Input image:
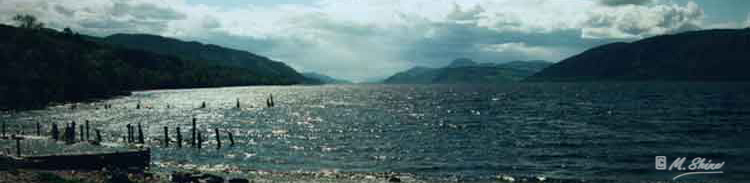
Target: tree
[27, 21]
[68, 31]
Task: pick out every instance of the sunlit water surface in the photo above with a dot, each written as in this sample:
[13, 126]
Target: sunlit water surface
[574, 132]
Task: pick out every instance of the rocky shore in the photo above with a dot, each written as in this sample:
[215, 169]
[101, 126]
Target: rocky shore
[104, 176]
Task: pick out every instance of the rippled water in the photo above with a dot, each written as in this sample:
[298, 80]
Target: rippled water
[578, 132]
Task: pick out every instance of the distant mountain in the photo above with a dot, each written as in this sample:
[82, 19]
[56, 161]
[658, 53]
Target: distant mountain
[462, 62]
[708, 55]
[530, 66]
[467, 71]
[220, 56]
[325, 78]
[414, 75]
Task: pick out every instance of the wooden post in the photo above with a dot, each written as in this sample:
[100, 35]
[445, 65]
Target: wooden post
[130, 133]
[218, 138]
[38, 129]
[231, 138]
[73, 132]
[18, 146]
[82, 133]
[87, 129]
[140, 134]
[166, 136]
[98, 136]
[179, 137]
[193, 142]
[55, 132]
[126, 137]
[3, 128]
[200, 140]
[67, 132]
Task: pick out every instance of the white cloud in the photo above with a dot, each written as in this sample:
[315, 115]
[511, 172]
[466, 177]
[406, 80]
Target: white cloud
[522, 50]
[641, 21]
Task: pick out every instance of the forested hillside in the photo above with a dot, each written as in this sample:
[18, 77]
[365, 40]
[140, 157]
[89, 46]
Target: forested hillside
[39, 66]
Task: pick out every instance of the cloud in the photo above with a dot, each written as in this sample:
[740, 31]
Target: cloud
[468, 15]
[344, 38]
[96, 16]
[144, 11]
[641, 21]
[64, 11]
[521, 50]
[624, 2]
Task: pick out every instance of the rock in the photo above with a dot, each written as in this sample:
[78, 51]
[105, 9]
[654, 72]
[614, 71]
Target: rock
[119, 177]
[181, 177]
[208, 178]
[394, 179]
[238, 180]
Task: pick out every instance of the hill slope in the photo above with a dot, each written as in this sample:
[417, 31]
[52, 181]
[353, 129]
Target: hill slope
[710, 55]
[38, 67]
[467, 71]
[218, 55]
[325, 78]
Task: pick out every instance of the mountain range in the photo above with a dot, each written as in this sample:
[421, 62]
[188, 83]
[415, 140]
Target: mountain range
[325, 78]
[465, 70]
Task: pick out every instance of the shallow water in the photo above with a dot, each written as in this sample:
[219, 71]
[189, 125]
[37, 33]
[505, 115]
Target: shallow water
[562, 131]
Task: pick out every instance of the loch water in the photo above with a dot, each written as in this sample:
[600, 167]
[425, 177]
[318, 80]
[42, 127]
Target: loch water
[576, 132]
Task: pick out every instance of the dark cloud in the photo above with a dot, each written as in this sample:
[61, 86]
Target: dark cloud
[145, 11]
[210, 22]
[124, 17]
[103, 27]
[624, 2]
[471, 14]
[64, 11]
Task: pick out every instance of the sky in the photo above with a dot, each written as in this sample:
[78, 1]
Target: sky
[363, 40]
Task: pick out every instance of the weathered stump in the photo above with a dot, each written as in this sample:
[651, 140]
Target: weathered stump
[179, 138]
[166, 136]
[87, 130]
[231, 138]
[140, 135]
[218, 138]
[194, 134]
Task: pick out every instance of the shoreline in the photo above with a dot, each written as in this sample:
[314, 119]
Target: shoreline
[107, 176]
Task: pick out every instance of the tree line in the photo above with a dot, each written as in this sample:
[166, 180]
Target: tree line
[39, 66]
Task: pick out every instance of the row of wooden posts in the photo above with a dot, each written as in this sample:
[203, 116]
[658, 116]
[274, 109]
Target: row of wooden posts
[269, 103]
[12, 137]
[70, 132]
[55, 132]
[196, 141]
[69, 135]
